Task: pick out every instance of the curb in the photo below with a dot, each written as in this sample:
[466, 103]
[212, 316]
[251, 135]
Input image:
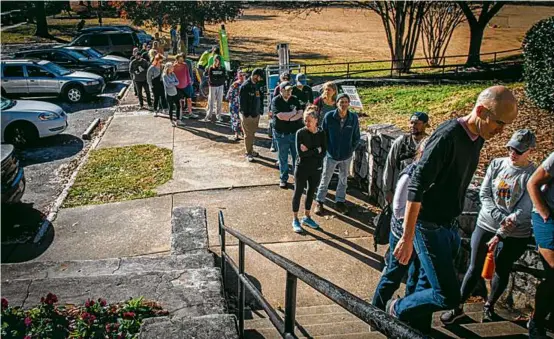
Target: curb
[53, 213]
[90, 129]
[123, 91]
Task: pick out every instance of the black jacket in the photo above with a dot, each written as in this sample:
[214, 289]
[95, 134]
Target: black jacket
[250, 99]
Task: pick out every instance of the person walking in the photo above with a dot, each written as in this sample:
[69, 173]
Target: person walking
[287, 116]
[139, 68]
[503, 225]
[216, 81]
[394, 272]
[311, 147]
[171, 82]
[133, 57]
[154, 79]
[174, 40]
[196, 40]
[185, 89]
[234, 104]
[250, 110]
[541, 191]
[436, 195]
[402, 152]
[302, 91]
[327, 101]
[343, 136]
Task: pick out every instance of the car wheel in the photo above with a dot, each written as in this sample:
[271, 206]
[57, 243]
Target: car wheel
[21, 134]
[74, 94]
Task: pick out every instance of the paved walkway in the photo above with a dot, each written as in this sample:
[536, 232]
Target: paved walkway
[210, 171]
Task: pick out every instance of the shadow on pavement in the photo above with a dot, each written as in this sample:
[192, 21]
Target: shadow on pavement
[53, 148]
[22, 225]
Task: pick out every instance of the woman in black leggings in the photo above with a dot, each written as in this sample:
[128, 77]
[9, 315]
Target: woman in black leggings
[504, 222]
[311, 147]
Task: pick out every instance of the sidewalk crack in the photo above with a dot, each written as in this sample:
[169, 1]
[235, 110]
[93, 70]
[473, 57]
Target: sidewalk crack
[118, 265]
[27, 295]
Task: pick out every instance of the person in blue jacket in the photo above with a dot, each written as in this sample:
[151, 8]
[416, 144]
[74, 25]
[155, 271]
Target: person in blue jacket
[343, 136]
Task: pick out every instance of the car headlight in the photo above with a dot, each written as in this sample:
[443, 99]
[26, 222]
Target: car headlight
[48, 116]
[94, 82]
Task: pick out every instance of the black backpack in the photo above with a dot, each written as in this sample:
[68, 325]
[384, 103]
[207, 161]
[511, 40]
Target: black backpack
[382, 227]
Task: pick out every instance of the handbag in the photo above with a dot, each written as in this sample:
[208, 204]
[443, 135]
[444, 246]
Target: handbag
[382, 227]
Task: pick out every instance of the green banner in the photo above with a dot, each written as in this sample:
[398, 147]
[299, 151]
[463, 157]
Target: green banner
[224, 47]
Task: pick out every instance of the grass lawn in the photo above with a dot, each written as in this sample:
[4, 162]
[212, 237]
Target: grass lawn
[121, 173]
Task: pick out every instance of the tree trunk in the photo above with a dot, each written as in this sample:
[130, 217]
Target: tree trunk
[40, 17]
[476, 38]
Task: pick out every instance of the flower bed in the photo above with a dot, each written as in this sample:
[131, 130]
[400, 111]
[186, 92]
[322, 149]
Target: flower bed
[95, 319]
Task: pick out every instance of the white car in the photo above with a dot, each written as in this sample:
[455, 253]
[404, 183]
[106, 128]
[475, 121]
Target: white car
[25, 121]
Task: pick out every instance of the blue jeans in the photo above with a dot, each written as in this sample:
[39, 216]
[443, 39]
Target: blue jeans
[438, 287]
[329, 165]
[286, 144]
[393, 274]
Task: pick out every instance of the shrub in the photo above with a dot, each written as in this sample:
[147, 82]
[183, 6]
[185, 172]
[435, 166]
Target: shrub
[538, 51]
[96, 319]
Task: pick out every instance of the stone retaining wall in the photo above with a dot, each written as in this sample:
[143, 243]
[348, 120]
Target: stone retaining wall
[521, 291]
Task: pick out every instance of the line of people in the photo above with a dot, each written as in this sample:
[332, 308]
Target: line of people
[425, 181]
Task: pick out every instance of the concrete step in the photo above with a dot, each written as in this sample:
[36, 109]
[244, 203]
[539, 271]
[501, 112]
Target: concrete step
[115, 266]
[220, 326]
[307, 331]
[189, 292]
[308, 319]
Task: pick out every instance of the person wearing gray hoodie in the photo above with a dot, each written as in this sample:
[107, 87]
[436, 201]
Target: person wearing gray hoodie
[170, 82]
[504, 222]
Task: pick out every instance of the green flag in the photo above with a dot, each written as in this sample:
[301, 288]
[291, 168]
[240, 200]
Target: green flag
[224, 48]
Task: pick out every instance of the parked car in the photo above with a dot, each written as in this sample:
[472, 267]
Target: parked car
[25, 121]
[72, 60]
[45, 78]
[110, 42]
[121, 63]
[13, 178]
[141, 34]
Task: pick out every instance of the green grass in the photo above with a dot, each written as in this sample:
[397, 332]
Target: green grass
[121, 173]
[394, 104]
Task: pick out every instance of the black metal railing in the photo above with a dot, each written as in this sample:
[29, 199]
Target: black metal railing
[382, 322]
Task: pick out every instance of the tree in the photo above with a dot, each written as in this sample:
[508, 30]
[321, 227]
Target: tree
[40, 17]
[182, 13]
[486, 11]
[439, 24]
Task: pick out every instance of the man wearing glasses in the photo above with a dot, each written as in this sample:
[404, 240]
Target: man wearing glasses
[436, 195]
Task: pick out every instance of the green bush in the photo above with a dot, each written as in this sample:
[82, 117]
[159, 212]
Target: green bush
[538, 51]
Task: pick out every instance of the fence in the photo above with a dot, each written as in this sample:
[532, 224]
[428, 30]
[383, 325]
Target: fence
[381, 321]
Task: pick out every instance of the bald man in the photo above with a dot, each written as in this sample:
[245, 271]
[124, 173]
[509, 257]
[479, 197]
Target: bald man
[436, 195]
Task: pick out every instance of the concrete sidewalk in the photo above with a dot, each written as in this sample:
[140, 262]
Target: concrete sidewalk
[210, 170]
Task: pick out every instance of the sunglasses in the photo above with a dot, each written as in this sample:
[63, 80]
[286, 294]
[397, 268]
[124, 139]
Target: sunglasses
[515, 151]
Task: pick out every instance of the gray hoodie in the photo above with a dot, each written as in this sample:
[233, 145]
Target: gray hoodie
[504, 193]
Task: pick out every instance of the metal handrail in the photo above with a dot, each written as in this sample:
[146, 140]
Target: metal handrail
[381, 321]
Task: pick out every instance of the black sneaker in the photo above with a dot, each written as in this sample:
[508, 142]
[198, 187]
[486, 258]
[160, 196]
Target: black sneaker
[319, 209]
[489, 315]
[341, 207]
[450, 317]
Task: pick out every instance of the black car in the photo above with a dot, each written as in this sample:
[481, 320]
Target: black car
[73, 60]
[141, 34]
[110, 42]
[13, 180]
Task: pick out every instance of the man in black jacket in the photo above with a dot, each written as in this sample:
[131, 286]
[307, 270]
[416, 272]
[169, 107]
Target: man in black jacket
[436, 195]
[138, 68]
[251, 107]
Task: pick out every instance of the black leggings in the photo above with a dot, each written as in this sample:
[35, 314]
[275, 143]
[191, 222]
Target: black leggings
[544, 296]
[173, 101]
[506, 253]
[305, 177]
[159, 93]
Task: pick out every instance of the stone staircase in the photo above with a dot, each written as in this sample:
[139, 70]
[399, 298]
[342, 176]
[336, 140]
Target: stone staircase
[332, 321]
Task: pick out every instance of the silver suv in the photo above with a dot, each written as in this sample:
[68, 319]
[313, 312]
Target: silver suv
[44, 78]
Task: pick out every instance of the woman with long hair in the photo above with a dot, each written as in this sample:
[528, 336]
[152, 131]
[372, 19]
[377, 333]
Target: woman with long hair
[170, 82]
[234, 104]
[326, 102]
[154, 78]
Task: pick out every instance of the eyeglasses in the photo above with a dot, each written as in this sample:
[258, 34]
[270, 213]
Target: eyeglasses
[515, 151]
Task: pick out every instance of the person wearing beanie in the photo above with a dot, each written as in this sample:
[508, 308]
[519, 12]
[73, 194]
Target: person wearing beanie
[343, 137]
[251, 108]
[302, 91]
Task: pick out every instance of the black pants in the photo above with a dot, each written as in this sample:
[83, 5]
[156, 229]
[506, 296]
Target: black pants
[303, 177]
[140, 86]
[506, 253]
[159, 93]
[544, 296]
[173, 101]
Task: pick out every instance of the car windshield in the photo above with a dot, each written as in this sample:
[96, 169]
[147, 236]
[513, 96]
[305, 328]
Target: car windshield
[6, 103]
[76, 54]
[56, 69]
[91, 52]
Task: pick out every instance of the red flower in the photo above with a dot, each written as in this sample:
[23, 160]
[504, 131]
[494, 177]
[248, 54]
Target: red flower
[102, 302]
[28, 322]
[85, 315]
[108, 328]
[128, 315]
[91, 319]
[89, 303]
[50, 299]
[4, 303]
[27, 337]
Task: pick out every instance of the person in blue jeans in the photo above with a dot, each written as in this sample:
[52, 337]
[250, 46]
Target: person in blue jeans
[343, 136]
[436, 195]
[541, 190]
[287, 116]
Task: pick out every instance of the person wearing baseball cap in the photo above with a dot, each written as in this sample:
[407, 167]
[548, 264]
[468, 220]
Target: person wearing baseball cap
[504, 221]
[302, 91]
[402, 152]
[251, 107]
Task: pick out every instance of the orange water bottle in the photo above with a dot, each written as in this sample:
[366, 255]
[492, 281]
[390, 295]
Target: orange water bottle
[488, 268]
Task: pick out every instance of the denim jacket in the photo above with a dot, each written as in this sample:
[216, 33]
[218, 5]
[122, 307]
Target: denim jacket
[341, 141]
